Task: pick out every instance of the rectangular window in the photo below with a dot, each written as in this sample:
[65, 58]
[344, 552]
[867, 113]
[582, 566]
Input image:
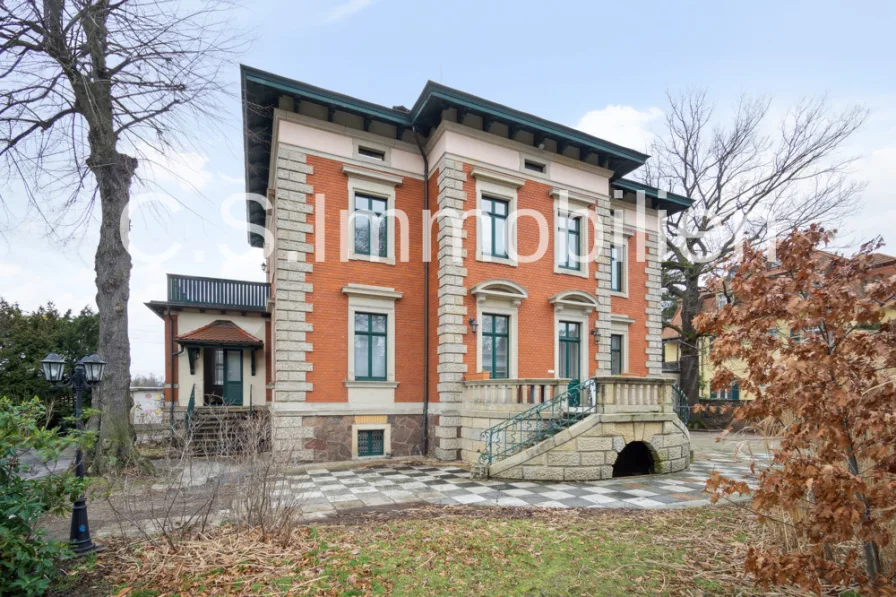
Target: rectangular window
[569, 241]
[570, 345]
[496, 345]
[616, 354]
[617, 269]
[534, 166]
[373, 154]
[371, 442]
[219, 367]
[370, 222]
[370, 347]
[494, 227]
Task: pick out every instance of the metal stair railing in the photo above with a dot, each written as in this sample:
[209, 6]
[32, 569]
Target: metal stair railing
[534, 425]
[681, 404]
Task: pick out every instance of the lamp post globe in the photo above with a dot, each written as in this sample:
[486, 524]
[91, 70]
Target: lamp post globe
[53, 367]
[94, 368]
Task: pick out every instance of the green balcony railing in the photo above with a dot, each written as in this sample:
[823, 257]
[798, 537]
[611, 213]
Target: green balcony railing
[217, 292]
[540, 422]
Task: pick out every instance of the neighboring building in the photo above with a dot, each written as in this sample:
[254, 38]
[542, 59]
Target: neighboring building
[710, 302]
[338, 347]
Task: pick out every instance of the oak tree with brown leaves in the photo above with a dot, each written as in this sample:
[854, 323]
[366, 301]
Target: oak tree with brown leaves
[830, 387]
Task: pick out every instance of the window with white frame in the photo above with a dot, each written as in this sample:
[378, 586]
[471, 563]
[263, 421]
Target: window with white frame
[617, 354]
[497, 337]
[371, 232]
[569, 241]
[496, 345]
[370, 346]
[570, 347]
[494, 227]
[371, 221]
[618, 268]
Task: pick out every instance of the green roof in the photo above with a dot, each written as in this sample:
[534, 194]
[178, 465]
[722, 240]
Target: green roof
[261, 92]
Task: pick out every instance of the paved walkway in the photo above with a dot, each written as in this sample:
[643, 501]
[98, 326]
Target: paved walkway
[321, 491]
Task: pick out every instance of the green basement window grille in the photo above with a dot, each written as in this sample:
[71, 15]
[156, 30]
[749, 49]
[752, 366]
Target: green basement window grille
[371, 442]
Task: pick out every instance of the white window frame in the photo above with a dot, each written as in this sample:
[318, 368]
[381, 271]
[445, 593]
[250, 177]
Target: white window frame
[500, 302]
[623, 252]
[574, 306]
[541, 162]
[359, 143]
[379, 300]
[579, 206]
[503, 187]
[381, 186]
[386, 428]
[619, 325]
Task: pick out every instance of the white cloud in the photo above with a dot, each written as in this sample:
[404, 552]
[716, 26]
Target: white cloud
[344, 11]
[10, 269]
[187, 169]
[878, 170]
[624, 125]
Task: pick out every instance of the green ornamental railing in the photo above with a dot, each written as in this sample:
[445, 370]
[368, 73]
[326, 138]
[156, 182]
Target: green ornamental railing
[681, 404]
[193, 290]
[540, 422]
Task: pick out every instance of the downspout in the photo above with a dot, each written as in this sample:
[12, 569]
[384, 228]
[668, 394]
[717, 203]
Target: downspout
[425, 299]
[172, 354]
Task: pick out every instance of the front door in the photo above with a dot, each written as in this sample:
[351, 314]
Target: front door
[233, 377]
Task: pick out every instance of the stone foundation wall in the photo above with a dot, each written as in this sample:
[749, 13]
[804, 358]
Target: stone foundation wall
[329, 438]
[587, 450]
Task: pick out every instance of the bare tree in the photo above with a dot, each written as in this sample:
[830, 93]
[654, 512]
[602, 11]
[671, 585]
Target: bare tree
[85, 88]
[749, 179]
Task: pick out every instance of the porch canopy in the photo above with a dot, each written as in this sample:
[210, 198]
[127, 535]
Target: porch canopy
[220, 333]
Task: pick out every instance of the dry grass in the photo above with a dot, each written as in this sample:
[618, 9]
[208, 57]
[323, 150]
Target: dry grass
[451, 550]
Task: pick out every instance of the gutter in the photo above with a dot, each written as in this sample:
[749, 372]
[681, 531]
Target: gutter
[172, 354]
[425, 300]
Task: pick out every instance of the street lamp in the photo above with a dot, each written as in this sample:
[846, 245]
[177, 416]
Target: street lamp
[88, 372]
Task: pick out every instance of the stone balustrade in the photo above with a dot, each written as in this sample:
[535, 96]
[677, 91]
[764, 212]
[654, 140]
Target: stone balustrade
[512, 391]
[622, 395]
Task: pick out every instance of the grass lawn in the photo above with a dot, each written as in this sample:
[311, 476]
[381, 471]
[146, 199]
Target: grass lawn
[445, 551]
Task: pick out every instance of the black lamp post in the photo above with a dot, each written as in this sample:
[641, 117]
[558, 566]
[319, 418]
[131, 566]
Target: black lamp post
[88, 372]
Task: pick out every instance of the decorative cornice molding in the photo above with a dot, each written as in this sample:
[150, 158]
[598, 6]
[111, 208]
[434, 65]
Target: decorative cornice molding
[381, 177]
[497, 177]
[374, 291]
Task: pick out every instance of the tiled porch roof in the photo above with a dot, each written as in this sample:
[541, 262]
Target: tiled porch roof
[220, 333]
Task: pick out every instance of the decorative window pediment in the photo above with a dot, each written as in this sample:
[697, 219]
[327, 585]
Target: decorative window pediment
[574, 299]
[499, 290]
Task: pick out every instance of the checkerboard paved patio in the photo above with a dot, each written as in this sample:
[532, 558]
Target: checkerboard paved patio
[322, 491]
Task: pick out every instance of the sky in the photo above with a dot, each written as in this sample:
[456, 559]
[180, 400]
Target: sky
[603, 67]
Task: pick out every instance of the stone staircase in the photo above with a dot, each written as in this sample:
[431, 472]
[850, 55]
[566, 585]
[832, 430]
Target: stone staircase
[228, 430]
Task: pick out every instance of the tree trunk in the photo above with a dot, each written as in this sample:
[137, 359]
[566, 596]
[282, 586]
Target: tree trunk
[115, 446]
[689, 349]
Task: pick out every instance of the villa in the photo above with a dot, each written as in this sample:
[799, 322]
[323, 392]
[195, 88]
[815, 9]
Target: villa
[393, 325]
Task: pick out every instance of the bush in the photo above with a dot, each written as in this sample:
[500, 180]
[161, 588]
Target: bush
[28, 560]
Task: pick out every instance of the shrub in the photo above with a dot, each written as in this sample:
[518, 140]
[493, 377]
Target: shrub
[830, 390]
[28, 559]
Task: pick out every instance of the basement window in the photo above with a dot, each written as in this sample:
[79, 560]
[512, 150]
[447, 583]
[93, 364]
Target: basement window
[534, 166]
[373, 154]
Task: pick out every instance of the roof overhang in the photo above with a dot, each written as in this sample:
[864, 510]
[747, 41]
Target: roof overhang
[162, 308]
[261, 93]
[656, 198]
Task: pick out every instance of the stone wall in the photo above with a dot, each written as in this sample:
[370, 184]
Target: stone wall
[292, 294]
[587, 450]
[329, 438]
